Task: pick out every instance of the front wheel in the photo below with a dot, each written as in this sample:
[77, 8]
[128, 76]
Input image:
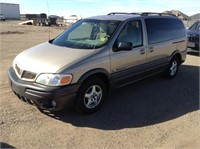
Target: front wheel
[173, 67]
[91, 95]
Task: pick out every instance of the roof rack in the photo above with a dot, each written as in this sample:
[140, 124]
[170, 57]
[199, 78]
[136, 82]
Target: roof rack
[142, 14]
[155, 13]
[118, 13]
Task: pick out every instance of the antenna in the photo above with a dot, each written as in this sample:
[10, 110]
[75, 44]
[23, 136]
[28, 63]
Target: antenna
[47, 18]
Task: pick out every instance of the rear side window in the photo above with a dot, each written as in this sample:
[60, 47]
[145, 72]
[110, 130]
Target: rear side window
[164, 29]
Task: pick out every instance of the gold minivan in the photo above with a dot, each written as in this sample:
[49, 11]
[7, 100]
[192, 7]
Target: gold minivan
[95, 54]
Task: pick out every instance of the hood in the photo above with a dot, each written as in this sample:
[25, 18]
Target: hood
[193, 32]
[48, 58]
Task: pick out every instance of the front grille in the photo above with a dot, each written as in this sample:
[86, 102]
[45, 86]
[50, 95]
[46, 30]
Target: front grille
[193, 39]
[42, 104]
[28, 75]
[24, 74]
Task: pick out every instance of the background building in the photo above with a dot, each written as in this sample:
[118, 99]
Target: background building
[10, 11]
[195, 17]
[188, 21]
[179, 14]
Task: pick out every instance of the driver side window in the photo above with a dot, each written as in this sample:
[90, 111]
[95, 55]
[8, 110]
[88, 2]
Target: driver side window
[132, 33]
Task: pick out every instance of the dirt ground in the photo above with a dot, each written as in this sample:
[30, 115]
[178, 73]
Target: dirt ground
[152, 113]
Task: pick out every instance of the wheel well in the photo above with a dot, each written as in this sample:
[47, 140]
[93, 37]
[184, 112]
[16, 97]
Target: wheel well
[102, 76]
[178, 56]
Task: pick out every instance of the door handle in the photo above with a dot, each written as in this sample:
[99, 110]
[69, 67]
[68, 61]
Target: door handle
[142, 51]
[151, 49]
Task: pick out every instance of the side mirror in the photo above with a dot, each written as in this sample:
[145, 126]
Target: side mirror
[124, 46]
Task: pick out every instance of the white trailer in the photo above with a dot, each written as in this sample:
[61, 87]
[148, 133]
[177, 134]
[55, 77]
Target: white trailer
[10, 11]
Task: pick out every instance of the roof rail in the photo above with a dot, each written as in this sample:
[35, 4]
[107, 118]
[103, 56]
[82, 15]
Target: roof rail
[135, 13]
[155, 13]
[116, 13]
[142, 14]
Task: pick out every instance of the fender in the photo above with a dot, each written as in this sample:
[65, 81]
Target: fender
[94, 72]
[176, 52]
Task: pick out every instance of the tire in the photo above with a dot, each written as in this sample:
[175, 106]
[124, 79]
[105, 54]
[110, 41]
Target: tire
[91, 95]
[173, 67]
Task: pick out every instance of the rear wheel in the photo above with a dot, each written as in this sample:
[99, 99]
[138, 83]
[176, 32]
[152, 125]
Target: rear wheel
[173, 67]
[91, 95]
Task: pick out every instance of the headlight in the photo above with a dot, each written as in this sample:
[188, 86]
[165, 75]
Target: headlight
[54, 79]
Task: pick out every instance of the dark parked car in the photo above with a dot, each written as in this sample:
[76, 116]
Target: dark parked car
[193, 35]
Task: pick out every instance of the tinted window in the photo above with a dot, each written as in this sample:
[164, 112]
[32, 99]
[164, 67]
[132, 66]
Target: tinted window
[163, 29]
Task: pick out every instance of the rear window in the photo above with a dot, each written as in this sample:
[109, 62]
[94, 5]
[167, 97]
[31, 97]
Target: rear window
[164, 29]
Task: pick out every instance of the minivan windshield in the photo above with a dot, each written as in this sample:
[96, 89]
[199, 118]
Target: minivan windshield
[87, 34]
[195, 26]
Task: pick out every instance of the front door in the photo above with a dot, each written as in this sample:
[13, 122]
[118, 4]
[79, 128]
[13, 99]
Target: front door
[124, 64]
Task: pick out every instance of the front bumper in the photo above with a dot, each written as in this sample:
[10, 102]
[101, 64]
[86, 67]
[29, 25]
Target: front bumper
[44, 97]
[183, 56]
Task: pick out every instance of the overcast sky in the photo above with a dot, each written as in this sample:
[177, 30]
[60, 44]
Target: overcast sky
[87, 8]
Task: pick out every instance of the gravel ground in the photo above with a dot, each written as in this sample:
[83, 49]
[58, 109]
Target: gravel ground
[152, 113]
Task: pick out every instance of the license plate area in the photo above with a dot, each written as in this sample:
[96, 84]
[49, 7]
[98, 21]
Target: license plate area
[191, 44]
